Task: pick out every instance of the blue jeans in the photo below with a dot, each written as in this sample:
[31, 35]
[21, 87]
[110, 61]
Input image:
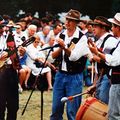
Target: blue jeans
[114, 102]
[66, 85]
[102, 89]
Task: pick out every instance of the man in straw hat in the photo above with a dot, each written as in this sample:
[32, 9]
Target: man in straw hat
[114, 61]
[105, 43]
[69, 78]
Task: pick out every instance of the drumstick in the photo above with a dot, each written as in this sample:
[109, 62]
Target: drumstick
[92, 72]
[65, 99]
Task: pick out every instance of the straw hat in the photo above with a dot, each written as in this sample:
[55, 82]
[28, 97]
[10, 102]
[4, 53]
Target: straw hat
[116, 19]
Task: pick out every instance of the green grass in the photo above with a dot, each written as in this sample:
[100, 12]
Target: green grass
[33, 110]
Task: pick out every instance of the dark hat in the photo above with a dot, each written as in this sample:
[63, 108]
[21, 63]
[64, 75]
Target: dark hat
[74, 15]
[116, 19]
[100, 20]
[1, 18]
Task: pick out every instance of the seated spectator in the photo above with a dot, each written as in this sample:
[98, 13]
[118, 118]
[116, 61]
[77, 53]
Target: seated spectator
[49, 44]
[50, 59]
[24, 72]
[30, 31]
[34, 54]
[43, 35]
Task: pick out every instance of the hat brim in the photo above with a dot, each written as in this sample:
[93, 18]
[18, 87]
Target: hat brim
[71, 18]
[94, 23]
[98, 24]
[113, 21]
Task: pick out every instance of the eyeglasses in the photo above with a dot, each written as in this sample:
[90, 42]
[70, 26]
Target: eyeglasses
[36, 41]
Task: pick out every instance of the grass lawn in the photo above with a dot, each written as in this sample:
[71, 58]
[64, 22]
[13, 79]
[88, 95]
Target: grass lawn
[33, 110]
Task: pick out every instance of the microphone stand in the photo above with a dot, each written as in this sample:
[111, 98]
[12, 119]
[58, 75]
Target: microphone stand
[51, 49]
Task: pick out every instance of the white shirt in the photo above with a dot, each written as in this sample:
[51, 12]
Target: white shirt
[114, 59]
[81, 47]
[3, 46]
[34, 53]
[110, 43]
[50, 59]
[17, 38]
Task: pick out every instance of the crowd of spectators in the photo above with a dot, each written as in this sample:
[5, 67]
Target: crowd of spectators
[46, 31]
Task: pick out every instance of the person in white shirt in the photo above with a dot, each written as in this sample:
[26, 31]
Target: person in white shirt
[30, 31]
[105, 43]
[113, 60]
[68, 80]
[34, 54]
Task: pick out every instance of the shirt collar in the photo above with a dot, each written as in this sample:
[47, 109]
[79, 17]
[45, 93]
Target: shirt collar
[103, 36]
[76, 33]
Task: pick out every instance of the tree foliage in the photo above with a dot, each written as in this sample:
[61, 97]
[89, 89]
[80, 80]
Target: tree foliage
[87, 7]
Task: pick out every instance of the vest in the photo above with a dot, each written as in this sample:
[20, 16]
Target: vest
[115, 78]
[102, 64]
[74, 67]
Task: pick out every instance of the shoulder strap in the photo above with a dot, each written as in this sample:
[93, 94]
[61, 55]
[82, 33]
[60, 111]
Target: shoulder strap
[114, 48]
[75, 40]
[62, 36]
[101, 47]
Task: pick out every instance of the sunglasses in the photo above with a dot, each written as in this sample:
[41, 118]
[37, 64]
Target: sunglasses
[36, 41]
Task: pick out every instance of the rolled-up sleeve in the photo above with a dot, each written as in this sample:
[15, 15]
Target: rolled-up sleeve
[114, 59]
[81, 49]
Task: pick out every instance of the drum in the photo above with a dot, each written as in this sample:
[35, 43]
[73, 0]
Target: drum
[92, 109]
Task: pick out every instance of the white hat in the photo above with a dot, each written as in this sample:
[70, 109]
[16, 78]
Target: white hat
[116, 19]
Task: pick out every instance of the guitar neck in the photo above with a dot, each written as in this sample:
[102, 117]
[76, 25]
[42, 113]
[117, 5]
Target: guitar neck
[11, 51]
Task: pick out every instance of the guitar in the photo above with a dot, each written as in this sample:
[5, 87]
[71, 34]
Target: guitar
[11, 52]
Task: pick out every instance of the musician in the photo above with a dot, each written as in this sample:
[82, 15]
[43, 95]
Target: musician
[8, 82]
[69, 78]
[113, 60]
[105, 43]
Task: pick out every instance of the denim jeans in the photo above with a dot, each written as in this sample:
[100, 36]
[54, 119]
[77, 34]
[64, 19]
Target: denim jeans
[102, 89]
[66, 85]
[114, 102]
